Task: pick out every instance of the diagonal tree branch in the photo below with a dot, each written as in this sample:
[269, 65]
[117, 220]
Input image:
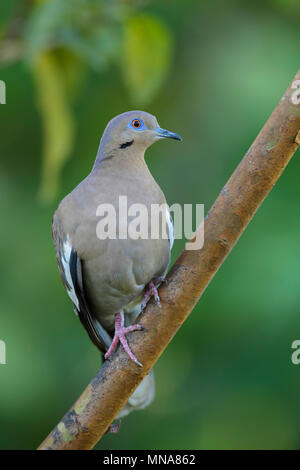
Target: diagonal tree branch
[107, 393]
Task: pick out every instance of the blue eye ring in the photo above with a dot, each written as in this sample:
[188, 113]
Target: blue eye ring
[137, 124]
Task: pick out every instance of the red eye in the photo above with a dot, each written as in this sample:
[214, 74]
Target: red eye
[136, 123]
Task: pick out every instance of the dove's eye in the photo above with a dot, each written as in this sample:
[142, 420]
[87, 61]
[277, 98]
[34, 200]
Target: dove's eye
[137, 124]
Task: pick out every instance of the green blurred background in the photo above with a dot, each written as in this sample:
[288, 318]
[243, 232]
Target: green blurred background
[213, 72]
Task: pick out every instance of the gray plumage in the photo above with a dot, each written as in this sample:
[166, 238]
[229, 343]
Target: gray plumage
[104, 277]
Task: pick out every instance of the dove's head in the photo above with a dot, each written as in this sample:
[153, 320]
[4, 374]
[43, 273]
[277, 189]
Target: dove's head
[134, 130]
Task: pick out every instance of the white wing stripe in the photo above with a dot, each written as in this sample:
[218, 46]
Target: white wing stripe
[170, 227]
[65, 259]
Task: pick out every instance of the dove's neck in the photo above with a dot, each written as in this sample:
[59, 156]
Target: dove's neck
[123, 161]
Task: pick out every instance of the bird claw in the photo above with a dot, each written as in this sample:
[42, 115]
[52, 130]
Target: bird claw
[152, 291]
[120, 335]
[113, 428]
[157, 299]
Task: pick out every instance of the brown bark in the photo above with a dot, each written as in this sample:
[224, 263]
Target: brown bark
[88, 419]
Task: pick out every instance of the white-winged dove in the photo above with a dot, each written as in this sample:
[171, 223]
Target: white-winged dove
[110, 280]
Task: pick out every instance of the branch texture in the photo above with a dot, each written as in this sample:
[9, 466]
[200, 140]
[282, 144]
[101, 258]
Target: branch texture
[253, 179]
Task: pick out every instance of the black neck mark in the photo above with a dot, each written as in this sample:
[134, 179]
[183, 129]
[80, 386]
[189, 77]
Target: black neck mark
[126, 144]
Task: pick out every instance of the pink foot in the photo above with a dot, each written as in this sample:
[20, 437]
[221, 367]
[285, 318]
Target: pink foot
[151, 290]
[113, 428]
[120, 332]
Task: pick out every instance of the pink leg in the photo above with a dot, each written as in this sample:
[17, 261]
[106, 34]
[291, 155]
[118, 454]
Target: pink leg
[151, 290]
[120, 332]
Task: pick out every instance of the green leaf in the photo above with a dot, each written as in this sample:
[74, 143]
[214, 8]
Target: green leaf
[146, 57]
[44, 24]
[88, 28]
[97, 48]
[57, 121]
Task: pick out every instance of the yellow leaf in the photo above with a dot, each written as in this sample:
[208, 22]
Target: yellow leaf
[146, 57]
[57, 121]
